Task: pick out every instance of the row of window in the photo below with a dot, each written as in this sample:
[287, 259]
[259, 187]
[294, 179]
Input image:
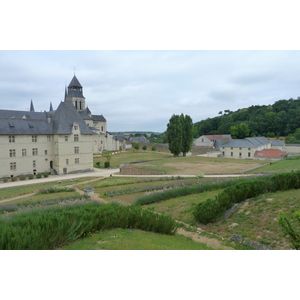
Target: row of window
[12, 152]
[13, 165]
[12, 138]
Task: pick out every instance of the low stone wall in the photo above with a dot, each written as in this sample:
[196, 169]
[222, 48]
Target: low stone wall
[255, 245]
[130, 170]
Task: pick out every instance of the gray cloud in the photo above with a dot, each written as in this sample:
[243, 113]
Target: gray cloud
[140, 90]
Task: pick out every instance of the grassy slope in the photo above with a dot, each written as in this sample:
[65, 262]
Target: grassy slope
[127, 239]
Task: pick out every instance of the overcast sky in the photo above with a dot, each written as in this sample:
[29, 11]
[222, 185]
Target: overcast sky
[140, 90]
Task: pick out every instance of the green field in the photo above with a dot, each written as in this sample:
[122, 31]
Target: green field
[255, 219]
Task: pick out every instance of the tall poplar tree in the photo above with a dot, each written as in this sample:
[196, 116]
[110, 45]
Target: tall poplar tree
[180, 134]
[187, 133]
[174, 135]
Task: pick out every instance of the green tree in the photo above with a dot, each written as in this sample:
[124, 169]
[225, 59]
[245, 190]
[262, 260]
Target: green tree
[144, 147]
[239, 131]
[154, 148]
[187, 133]
[174, 135]
[136, 145]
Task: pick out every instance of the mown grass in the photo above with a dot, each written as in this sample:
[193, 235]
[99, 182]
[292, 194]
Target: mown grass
[181, 208]
[284, 165]
[130, 156]
[126, 239]
[31, 188]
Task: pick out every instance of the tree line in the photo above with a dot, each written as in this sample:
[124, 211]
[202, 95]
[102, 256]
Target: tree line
[279, 119]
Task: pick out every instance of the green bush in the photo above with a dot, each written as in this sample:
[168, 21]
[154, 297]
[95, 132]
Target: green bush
[22, 177]
[56, 189]
[245, 190]
[4, 179]
[290, 230]
[30, 176]
[53, 227]
[38, 175]
[154, 148]
[98, 164]
[46, 174]
[106, 164]
[13, 178]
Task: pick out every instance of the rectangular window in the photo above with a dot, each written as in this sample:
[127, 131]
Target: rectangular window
[249, 154]
[76, 161]
[46, 152]
[75, 127]
[76, 150]
[34, 151]
[76, 138]
[12, 153]
[34, 164]
[13, 166]
[231, 153]
[24, 152]
[66, 138]
[48, 138]
[34, 138]
[101, 128]
[11, 138]
[67, 161]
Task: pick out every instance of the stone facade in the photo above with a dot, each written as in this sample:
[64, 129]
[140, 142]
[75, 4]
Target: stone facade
[59, 141]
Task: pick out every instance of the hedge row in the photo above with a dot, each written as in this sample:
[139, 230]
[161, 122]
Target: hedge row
[53, 227]
[184, 191]
[211, 209]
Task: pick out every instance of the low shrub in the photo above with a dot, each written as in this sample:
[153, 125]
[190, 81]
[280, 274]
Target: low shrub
[242, 191]
[8, 208]
[38, 175]
[5, 179]
[23, 177]
[13, 178]
[55, 189]
[30, 176]
[106, 164]
[53, 227]
[46, 174]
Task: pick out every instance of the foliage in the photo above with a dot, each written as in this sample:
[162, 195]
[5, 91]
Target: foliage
[174, 135]
[136, 145]
[144, 147]
[46, 174]
[55, 189]
[205, 212]
[107, 155]
[290, 230]
[30, 176]
[98, 163]
[22, 177]
[184, 191]
[38, 175]
[154, 148]
[180, 134]
[53, 227]
[239, 131]
[107, 164]
[279, 119]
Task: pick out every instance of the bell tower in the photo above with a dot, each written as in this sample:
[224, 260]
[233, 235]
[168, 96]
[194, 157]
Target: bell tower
[74, 94]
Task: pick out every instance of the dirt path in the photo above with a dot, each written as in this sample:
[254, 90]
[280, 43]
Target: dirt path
[211, 242]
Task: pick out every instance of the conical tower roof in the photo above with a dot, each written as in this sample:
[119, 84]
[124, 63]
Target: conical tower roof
[75, 83]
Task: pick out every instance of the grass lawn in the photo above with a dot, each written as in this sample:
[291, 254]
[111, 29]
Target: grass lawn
[284, 165]
[195, 165]
[128, 239]
[181, 208]
[130, 156]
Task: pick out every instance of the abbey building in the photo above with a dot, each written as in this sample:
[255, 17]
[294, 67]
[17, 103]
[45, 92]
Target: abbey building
[59, 141]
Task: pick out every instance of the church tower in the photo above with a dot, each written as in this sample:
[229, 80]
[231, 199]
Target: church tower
[74, 94]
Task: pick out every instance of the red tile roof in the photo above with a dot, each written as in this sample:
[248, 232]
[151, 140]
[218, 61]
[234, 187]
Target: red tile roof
[269, 153]
[213, 137]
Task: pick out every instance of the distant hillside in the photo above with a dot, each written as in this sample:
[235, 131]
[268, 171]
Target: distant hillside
[280, 119]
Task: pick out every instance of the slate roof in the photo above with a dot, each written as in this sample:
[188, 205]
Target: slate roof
[75, 82]
[98, 118]
[277, 143]
[64, 118]
[27, 123]
[252, 142]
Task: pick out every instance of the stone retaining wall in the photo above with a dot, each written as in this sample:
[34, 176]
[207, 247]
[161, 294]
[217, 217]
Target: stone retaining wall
[255, 245]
